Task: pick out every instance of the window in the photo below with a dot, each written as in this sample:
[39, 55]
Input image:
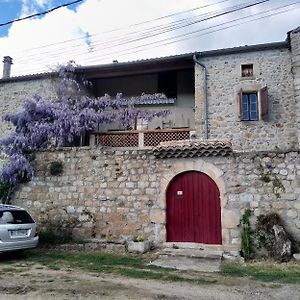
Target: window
[167, 83]
[249, 107]
[247, 70]
[254, 105]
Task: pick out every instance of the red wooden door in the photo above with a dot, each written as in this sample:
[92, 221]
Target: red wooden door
[193, 209]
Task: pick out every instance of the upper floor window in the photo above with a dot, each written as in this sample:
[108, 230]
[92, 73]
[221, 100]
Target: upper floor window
[247, 70]
[254, 105]
[249, 107]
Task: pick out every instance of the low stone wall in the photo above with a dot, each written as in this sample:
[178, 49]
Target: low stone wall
[117, 195]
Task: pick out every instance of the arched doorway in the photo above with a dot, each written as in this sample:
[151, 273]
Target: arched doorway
[193, 209]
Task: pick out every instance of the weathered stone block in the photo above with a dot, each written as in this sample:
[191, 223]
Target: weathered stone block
[292, 214]
[230, 218]
[138, 247]
[157, 216]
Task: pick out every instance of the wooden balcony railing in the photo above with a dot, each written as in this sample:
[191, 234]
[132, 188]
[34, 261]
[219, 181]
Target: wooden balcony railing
[140, 138]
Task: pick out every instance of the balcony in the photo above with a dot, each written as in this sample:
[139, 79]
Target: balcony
[140, 138]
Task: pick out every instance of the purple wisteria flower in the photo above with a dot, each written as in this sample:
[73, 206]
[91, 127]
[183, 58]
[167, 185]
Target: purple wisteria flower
[57, 121]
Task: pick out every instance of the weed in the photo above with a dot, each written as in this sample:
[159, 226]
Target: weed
[5, 191]
[9, 270]
[269, 176]
[139, 238]
[277, 186]
[56, 168]
[54, 267]
[267, 272]
[265, 177]
[56, 228]
[246, 235]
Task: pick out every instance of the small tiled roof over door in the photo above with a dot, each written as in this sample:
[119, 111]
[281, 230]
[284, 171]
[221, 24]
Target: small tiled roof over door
[188, 148]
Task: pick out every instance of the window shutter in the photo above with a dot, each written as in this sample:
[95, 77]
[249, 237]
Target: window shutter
[264, 103]
[240, 104]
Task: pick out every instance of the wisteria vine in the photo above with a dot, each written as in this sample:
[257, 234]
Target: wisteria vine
[56, 121]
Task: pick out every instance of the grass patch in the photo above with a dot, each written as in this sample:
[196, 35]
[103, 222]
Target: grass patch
[103, 262]
[9, 270]
[264, 271]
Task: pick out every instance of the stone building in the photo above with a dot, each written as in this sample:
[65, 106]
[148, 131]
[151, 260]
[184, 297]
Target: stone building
[230, 143]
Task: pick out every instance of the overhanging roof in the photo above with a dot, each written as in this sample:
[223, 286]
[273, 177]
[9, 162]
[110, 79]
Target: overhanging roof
[144, 66]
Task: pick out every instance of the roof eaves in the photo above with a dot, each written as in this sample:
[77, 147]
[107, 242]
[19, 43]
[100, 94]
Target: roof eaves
[186, 56]
[246, 48]
[29, 77]
[183, 57]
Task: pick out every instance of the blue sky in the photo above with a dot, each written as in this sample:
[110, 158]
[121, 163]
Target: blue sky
[9, 10]
[100, 31]
[12, 9]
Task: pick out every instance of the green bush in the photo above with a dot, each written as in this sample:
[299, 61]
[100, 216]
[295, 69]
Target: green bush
[56, 168]
[49, 237]
[246, 235]
[5, 189]
[56, 227]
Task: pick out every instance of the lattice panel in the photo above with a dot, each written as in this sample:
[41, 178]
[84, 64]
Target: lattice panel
[154, 138]
[119, 140]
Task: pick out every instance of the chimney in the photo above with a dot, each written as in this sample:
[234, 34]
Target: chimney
[7, 62]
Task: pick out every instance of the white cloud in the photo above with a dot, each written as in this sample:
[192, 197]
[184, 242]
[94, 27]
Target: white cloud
[33, 6]
[42, 3]
[93, 17]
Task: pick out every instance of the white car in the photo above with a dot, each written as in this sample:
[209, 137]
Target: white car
[18, 230]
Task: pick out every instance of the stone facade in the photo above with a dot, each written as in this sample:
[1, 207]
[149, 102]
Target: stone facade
[272, 68]
[294, 37]
[117, 195]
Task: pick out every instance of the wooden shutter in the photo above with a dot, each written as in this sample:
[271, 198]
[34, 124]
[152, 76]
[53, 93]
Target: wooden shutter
[264, 103]
[240, 103]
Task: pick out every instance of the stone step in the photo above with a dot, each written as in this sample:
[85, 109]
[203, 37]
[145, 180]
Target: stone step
[191, 253]
[180, 245]
[190, 256]
[233, 249]
[188, 263]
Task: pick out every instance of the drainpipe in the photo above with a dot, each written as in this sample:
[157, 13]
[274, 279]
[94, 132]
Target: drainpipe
[205, 96]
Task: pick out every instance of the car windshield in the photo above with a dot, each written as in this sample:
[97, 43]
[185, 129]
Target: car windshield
[15, 217]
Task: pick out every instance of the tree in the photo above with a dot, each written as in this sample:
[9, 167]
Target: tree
[56, 121]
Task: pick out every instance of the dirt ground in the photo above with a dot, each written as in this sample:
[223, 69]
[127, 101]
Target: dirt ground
[33, 281]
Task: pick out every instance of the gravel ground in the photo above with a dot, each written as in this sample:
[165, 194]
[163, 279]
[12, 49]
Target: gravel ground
[33, 281]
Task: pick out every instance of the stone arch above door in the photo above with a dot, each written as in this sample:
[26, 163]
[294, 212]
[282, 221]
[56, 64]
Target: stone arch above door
[183, 165]
[180, 166]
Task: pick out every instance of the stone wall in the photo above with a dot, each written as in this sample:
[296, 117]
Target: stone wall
[295, 48]
[13, 93]
[117, 195]
[272, 68]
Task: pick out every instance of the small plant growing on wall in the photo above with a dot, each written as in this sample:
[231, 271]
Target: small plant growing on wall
[263, 176]
[139, 238]
[277, 186]
[56, 168]
[269, 176]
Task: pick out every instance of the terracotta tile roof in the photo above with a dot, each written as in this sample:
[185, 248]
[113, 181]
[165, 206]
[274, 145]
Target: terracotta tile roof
[188, 148]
